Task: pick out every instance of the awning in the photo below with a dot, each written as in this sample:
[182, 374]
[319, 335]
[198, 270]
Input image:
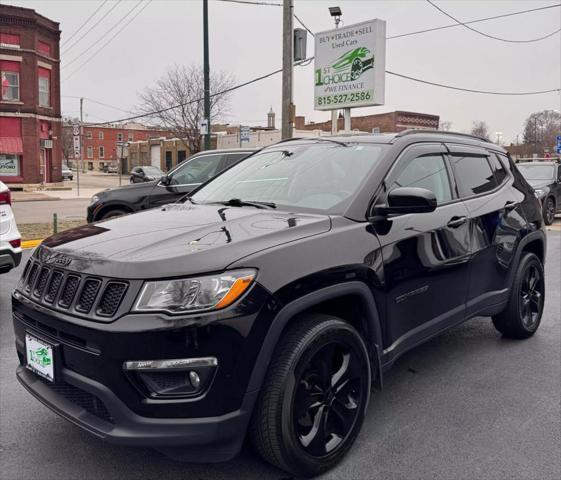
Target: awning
[12, 145]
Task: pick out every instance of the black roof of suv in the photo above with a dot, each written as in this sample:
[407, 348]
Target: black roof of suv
[273, 297]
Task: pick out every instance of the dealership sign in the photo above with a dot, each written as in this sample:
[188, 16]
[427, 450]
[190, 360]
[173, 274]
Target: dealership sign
[350, 66]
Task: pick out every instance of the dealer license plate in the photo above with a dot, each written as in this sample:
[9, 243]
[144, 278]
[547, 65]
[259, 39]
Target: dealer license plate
[40, 358]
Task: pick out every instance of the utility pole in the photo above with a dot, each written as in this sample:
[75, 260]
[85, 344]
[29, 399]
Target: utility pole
[81, 147]
[206, 72]
[287, 67]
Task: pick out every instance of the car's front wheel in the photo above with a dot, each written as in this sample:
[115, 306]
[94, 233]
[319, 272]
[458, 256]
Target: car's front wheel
[313, 400]
[113, 213]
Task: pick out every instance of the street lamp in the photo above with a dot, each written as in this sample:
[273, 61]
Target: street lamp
[499, 136]
[336, 13]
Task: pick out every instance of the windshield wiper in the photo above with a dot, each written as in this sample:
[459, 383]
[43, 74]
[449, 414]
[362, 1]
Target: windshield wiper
[238, 202]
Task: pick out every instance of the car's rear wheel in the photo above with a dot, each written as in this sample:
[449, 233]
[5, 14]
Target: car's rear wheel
[113, 213]
[549, 211]
[522, 315]
[314, 398]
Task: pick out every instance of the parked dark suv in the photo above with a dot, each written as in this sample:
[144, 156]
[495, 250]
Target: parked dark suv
[188, 175]
[545, 178]
[272, 299]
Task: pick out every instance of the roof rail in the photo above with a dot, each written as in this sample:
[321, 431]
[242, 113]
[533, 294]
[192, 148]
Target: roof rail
[413, 131]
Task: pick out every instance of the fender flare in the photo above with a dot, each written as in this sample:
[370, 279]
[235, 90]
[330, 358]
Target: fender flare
[530, 237]
[307, 301]
[115, 205]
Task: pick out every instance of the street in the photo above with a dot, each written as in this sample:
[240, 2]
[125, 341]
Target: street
[468, 404]
[65, 203]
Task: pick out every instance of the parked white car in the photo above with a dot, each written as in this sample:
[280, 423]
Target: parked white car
[10, 238]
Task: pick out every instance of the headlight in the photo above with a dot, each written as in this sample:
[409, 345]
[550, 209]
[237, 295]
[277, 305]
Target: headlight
[186, 295]
[94, 199]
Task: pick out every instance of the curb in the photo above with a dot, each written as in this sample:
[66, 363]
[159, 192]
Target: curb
[30, 243]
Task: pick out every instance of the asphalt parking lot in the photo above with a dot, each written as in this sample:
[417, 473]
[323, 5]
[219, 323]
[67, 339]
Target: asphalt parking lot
[466, 405]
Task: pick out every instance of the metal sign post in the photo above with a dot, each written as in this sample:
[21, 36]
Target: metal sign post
[350, 67]
[244, 134]
[77, 152]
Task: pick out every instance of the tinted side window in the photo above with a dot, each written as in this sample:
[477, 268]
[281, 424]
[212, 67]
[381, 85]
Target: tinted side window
[500, 171]
[559, 173]
[428, 171]
[473, 175]
[198, 170]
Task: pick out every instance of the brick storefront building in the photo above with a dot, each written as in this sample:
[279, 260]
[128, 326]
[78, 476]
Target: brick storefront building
[107, 144]
[385, 122]
[30, 120]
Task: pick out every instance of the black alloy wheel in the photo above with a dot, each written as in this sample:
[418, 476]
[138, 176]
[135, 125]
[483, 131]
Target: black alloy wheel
[328, 393]
[314, 397]
[549, 211]
[523, 312]
[531, 297]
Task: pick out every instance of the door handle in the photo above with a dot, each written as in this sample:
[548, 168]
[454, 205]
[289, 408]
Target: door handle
[456, 222]
[510, 206]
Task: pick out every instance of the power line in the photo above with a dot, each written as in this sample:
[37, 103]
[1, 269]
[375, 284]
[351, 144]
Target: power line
[104, 35]
[459, 22]
[109, 41]
[303, 24]
[485, 92]
[84, 24]
[248, 2]
[97, 102]
[93, 26]
[485, 19]
[306, 61]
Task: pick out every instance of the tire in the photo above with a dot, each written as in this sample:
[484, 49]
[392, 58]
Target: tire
[113, 213]
[549, 211]
[301, 423]
[522, 315]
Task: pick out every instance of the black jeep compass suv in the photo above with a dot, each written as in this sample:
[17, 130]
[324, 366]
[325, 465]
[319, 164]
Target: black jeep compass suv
[270, 301]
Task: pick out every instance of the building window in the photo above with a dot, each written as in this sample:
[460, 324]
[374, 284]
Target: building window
[9, 165]
[89, 135]
[131, 137]
[44, 87]
[10, 85]
[44, 47]
[119, 137]
[90, 151]
[101, 152]
[9, 40]
[100, 135]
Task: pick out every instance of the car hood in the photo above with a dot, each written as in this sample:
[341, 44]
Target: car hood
[539, 183]
[134, 187]
[178, 239]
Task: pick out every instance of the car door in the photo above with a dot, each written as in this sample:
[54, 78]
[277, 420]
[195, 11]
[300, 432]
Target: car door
[185, 178]
[484, 183]
[557, 187]
[426, 255]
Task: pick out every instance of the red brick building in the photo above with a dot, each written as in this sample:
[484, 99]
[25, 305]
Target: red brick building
[385, 122]
[106, 144]
[30, 120]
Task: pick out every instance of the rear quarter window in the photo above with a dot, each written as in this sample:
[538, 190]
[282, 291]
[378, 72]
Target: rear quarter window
[474, 175]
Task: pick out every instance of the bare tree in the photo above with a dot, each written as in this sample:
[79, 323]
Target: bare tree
[480, 129]
[182, 87]
[540, 130]
[445, 125]
[67, 138]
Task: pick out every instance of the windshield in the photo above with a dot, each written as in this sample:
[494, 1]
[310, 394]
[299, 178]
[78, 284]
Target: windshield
[152, 171]
[316, 176]
[536, 172]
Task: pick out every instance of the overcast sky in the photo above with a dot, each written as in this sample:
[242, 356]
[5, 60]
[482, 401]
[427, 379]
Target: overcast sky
[246, 40]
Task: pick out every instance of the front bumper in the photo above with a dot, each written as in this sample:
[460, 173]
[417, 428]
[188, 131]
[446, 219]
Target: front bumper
[94, 391]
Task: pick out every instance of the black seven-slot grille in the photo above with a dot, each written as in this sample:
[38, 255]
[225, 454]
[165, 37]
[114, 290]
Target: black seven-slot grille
[66, 291]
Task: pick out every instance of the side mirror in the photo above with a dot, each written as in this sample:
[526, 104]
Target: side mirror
[402, 200]
[165, 180]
